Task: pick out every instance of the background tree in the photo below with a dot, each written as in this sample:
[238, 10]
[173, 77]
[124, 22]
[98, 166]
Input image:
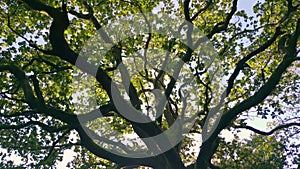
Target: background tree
[41, 41]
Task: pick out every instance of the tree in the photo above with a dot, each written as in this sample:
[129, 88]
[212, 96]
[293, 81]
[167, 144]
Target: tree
[42, 42]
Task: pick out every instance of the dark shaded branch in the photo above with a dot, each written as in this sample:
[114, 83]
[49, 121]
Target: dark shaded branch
[79, 15]
[37, 89]
[40, 124]
[97, 25]
[38, 5]
[24, 113]
[113, 143]
[61, 146]
[89, 144]
[283, 126]
[59, 24]
[221, 26]
[240, 65]
[102, 111]
[5, 95]
[208, 3]
[40, 59]
[186, 10]
[24, 82]
[55, 143]
[34, 103]
[31, 44]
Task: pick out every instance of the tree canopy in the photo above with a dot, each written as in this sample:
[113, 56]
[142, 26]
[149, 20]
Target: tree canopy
[91, 75]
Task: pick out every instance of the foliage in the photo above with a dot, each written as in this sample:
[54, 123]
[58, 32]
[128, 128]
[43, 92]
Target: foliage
[41, 40]
[259, 151]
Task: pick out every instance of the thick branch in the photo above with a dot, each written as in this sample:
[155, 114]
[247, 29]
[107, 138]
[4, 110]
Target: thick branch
[89, 144]
[186, 10]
